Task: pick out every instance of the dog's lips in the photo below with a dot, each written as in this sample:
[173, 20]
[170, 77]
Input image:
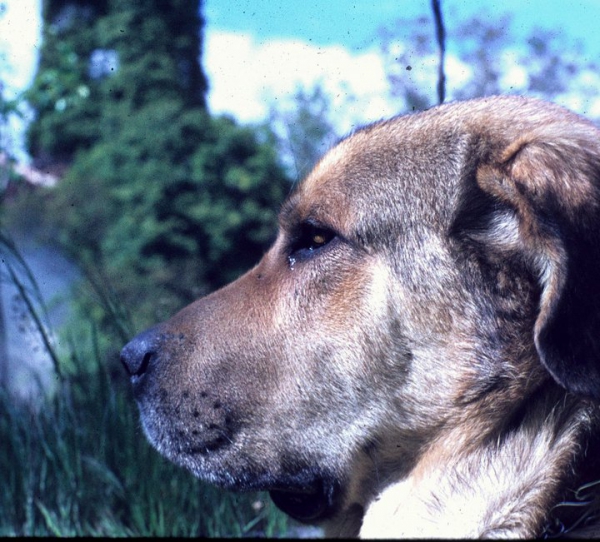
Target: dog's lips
[308, 504]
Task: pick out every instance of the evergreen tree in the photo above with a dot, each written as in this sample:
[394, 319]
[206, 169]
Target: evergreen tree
[64, 95]
[97, 51]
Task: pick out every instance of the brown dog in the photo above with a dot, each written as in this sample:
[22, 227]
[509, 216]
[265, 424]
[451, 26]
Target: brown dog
[418, 354]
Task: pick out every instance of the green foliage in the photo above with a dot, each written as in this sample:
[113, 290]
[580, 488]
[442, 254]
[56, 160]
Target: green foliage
[158, 45]
[173, 205]
[159, 199]
[63, 95]
[96, 54]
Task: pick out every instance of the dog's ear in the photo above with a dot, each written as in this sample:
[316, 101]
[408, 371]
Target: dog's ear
[549, 178]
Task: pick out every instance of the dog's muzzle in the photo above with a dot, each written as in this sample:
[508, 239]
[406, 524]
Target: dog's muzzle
[305, 492]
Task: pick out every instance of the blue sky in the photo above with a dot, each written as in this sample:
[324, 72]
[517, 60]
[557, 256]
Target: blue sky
[258, 52]
[353, 23]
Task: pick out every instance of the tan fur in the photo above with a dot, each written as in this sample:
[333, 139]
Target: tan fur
[418, 354]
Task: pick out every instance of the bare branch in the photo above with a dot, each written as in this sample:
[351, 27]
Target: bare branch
[441, 39]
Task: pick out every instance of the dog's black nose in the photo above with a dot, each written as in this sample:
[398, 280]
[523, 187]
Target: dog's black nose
[138, 353]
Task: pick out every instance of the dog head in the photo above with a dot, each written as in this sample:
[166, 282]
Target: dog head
[432, 272]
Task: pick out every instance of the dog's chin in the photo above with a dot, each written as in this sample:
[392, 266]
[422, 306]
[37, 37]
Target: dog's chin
[307, 494]
[317, 502]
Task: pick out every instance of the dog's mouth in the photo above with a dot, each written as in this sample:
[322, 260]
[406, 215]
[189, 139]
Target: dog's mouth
[312, 503]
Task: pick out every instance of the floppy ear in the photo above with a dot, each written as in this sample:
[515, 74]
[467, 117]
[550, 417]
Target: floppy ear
[550, 177]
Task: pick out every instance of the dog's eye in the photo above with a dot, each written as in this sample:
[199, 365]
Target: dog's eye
[310, 240]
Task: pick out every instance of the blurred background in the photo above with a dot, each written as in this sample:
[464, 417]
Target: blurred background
[145, 148]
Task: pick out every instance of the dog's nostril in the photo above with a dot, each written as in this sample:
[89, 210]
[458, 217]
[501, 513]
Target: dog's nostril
[136, 366]
[138, 353]
[145, 363]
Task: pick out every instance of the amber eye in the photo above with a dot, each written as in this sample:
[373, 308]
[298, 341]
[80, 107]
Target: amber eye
[309, 241]
[319, 239]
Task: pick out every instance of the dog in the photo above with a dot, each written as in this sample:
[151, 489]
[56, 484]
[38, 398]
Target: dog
[418, 353]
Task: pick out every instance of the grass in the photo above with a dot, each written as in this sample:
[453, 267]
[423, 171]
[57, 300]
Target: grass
[76, 463]
[81, 466]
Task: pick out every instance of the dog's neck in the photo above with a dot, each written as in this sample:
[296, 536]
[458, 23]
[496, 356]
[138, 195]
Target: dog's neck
[498, 485]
